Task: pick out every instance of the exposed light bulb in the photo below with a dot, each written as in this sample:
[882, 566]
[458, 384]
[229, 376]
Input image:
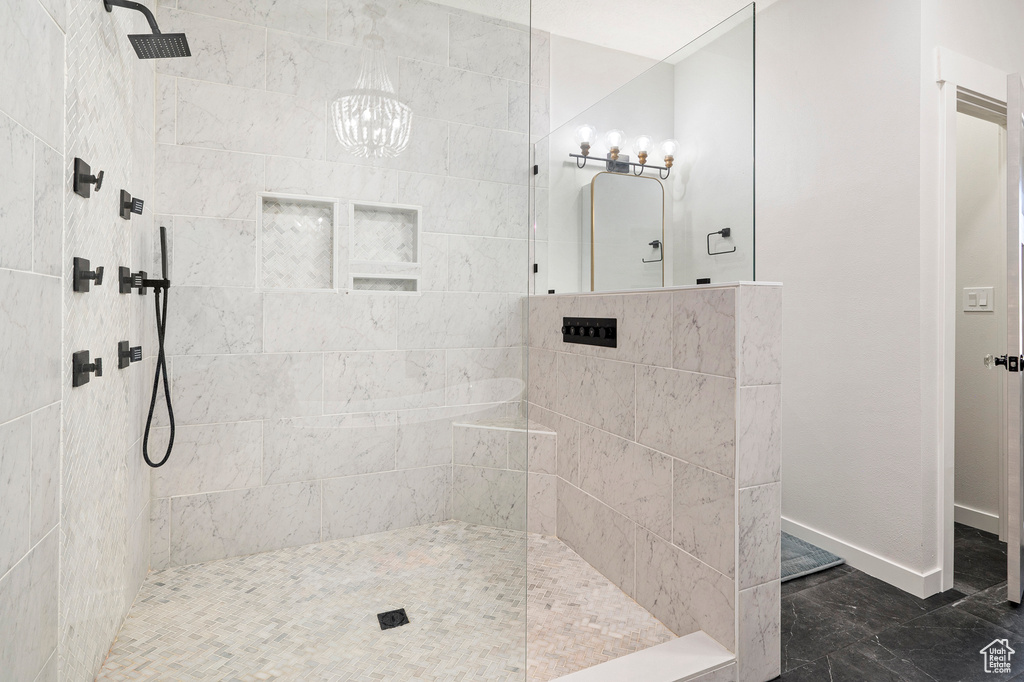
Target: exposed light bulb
[614, 139]
[669, 148]
[586, 135]
[642, 146]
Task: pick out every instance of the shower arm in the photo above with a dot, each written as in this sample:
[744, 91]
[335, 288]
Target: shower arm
[128, 4]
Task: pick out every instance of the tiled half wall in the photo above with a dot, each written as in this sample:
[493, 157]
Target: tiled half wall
[668, 464]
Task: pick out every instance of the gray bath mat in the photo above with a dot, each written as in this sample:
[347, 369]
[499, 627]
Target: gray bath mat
[801, 558]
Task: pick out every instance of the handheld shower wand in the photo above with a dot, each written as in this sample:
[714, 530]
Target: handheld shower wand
[159, 286]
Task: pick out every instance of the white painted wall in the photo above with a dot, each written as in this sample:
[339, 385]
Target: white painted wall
[712, 184]
[838, 222]
[980, 261]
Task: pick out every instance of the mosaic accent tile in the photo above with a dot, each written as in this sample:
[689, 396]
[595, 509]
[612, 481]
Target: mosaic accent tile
[310, 612]
[297, 245]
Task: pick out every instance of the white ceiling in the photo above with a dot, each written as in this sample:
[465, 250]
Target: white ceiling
[650, 28]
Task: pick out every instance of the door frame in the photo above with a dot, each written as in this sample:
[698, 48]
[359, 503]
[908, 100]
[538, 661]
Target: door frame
[981, 89]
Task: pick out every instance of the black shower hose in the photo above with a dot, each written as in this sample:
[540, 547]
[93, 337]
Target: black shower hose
[161, 369]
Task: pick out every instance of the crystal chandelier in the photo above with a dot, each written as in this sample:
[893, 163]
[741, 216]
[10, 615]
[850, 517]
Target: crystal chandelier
[370, 121]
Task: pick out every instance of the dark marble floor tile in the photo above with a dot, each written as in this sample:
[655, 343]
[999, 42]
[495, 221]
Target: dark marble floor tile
[993, 606]
[942, 645]
[800, 584]
[811, 630]
[859, 662]
[979, 559]
[873, 604]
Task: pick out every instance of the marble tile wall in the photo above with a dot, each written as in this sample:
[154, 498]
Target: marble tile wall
[668, 454]
[339, 399]
[104, 523]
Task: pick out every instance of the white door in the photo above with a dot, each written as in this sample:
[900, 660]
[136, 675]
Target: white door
[1014, 241]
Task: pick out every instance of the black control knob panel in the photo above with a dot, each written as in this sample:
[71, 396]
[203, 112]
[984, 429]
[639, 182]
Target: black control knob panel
[592, 331]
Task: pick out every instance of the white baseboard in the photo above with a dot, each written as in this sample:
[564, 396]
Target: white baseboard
[975, 518]
[918, 584]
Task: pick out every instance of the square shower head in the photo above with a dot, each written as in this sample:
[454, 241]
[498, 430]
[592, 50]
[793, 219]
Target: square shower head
[160, 45]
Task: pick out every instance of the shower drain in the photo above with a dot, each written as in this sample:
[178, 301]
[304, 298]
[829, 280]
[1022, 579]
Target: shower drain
[392, 619]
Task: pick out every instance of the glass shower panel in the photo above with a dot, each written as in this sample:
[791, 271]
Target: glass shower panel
[686, 124]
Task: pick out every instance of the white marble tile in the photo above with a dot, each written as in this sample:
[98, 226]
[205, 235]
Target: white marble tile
[411, 28]
[568, 438]
[480, 446]
[529, 109]
[726, 674]
[434, 257]
[232, 388]
[543, 377]
[454, 95]
[307, 17]
[545, 321]
[760, 531]
[759, 450]
[542, 504]
[138, 553]
[51, 669]
[46, 426]
[704, 516]
[58, 11]
[208, 458]
[382, 380]
[540, 60]
[28, 600]
[17, 150]
[760, 638]
[459, 206]
[160, 534]
[228, 52]
[30, 308]
[428, 149]
[327, 447]
[15, 491]
[487, 264]
[759, 311]
[603, 537]
[490, 497]
[214, 252]
[207, 182]
[329, 179]
[452, 320]
[645, 330]
[238, 522]
[689, 416]
[479, 45]
[214, 320]
[330, 322]
[425, 435]
[488, 154]
[218, 116]
[705, 331]
[683, 593]
[483, 375]
[535, 450]
[314, 69]
[48, 217]
[360, 505]
[653, 490]
[32, 52]
[609, 388]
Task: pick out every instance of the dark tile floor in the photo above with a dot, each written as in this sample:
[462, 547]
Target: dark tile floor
[842, 624]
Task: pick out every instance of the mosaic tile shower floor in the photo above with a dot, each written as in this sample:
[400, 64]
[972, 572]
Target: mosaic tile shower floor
[309, 613]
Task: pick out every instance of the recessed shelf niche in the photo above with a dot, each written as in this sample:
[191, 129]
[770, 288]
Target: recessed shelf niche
[385, 247]
[298, 243]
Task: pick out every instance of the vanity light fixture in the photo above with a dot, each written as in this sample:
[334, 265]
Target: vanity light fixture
[615, 140]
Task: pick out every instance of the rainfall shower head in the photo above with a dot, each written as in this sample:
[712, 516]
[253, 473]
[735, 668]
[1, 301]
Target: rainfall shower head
[155, 45]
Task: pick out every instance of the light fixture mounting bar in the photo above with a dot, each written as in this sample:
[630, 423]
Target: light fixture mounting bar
[629, 164]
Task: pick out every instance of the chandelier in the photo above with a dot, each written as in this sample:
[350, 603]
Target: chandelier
[369, 120]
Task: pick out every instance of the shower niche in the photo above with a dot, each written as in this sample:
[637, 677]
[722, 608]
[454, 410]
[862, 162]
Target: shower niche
[297, 243]
[384, 253]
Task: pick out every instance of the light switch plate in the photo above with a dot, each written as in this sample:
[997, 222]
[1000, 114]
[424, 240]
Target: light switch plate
[979, 300]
